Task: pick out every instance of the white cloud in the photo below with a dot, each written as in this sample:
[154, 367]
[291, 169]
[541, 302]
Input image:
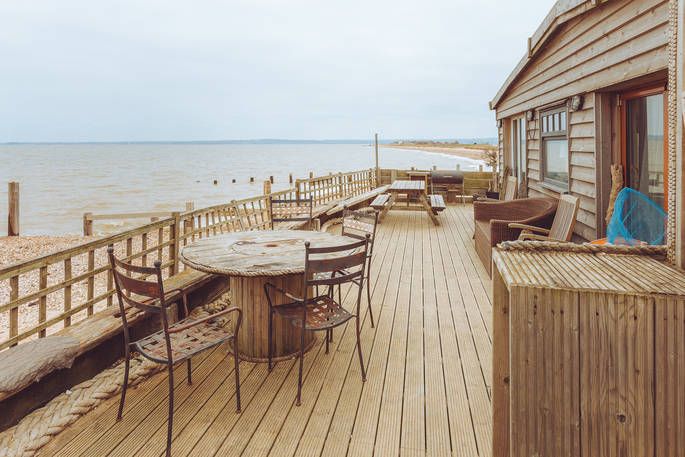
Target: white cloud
[131, 70]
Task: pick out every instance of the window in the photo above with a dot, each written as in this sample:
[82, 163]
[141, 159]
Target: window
[518, 148]
[645, 162]
[554, 147]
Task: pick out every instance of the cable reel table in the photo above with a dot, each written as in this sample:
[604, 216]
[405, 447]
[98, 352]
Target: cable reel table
[251, 259]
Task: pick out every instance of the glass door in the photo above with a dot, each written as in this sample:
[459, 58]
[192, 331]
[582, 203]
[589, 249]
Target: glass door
[644, 148]
[518, 149]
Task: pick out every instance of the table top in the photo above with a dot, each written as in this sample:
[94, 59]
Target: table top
[257, 253]
[407, 185]
[608, 269]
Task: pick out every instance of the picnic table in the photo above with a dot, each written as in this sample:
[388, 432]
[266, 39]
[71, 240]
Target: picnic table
[250, 260]
[415, 191]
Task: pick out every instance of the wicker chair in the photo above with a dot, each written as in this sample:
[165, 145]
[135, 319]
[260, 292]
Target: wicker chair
[322, 313]
[176, 342]
[492, 219]
[291, 210]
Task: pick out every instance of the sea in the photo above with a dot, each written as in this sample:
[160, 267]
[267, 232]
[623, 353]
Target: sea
[60, 182]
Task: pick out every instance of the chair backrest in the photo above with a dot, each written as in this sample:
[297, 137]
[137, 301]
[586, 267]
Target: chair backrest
[358, 224]
[565, 218]
[143, 290]
[344, 267]
[288, 209]
[510, 189]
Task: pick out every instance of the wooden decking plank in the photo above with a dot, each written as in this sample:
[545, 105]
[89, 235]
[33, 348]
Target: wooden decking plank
[343, 427]
[152, 435]
[218, 418]
[389, 432]
[438, 440]
[257, 416]
[368, 414]
[92, 426]
[462, 432]
[150, 410]
[413, 436]
[463, 302]
[300, 433]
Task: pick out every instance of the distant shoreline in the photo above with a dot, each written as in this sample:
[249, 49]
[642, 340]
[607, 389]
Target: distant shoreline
[463, 152]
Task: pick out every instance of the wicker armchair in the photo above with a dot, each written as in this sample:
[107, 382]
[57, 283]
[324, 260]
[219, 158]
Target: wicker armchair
[492, 219]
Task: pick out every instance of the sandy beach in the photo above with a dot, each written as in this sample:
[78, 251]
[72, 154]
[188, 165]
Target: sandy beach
[453, 150]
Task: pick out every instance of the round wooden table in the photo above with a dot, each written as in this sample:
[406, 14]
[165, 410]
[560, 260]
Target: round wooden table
[251, 259]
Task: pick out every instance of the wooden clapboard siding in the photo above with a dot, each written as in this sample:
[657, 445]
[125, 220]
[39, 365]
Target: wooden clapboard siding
[612, 43]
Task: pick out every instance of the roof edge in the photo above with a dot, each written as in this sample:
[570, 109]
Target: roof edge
[562, 12]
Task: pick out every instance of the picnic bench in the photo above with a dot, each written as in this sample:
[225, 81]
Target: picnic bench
[414, 191]
[437, 203]
[382, 204]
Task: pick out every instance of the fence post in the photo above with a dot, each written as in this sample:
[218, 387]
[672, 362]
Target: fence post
[190, 206]
[290, 178]
[297, 189]
[87, 224]
[174, 248]
[13, 209]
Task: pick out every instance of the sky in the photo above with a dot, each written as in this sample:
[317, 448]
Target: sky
[172, 70]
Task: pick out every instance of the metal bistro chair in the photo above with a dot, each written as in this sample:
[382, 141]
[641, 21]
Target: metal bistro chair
[358, 224]
[322, 312]
[290, 210]
[175, 343]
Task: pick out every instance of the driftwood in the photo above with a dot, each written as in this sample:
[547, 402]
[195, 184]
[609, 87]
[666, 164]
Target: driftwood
[29, 362]
[616, 186]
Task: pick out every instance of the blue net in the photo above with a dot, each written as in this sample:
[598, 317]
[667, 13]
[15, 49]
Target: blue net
[636, 220]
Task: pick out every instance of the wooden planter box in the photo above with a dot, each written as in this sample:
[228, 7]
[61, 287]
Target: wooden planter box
[588, 355]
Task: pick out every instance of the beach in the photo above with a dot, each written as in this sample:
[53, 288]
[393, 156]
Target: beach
[461, 151]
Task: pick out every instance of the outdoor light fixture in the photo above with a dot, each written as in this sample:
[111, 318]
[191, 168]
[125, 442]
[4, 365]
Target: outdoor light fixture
[530, 115]
[576, 102]
[499, 123]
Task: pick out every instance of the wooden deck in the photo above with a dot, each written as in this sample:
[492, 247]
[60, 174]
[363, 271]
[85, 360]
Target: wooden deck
[429, 372]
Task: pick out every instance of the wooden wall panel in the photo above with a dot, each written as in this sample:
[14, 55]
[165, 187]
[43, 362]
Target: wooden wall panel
[610, 44]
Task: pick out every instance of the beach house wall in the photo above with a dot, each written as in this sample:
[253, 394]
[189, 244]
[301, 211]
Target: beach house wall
[591, 91]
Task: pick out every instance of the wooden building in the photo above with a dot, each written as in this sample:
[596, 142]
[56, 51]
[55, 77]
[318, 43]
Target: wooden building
[591, 91]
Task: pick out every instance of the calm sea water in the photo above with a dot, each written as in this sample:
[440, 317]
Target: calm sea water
[60, 182]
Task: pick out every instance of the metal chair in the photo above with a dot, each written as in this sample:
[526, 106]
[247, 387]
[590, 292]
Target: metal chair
[176, 342]
[290, 210]
[322, 312]
[358, 224]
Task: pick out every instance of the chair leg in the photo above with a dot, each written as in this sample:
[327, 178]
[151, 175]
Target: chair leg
[236, 362]
[359, 350]
[299, 376]
[190, 371]
[368, 292]
[270, 340]
[124, 386]
[171, 410]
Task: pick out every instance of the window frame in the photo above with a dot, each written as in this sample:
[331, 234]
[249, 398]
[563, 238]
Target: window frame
[554, 134]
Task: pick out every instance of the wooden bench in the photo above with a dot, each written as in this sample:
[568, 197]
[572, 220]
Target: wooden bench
[382, 203]
[437, 203]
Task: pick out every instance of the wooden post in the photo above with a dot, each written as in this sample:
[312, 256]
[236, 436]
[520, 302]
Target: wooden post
[480, 168]
[271, 179]
[87, 224]
[174, 248]
[311, 175]
[435, 167]
[13, 210]
[290, 178]
[190, 206]
[267, 187]
[378, 170]
[297, 189]
[251, 179]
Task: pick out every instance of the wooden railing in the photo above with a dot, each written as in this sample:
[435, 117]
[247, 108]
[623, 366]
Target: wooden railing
[44, 294]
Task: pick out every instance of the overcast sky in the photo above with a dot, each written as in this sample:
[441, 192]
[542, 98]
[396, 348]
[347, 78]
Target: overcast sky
[84, 70]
